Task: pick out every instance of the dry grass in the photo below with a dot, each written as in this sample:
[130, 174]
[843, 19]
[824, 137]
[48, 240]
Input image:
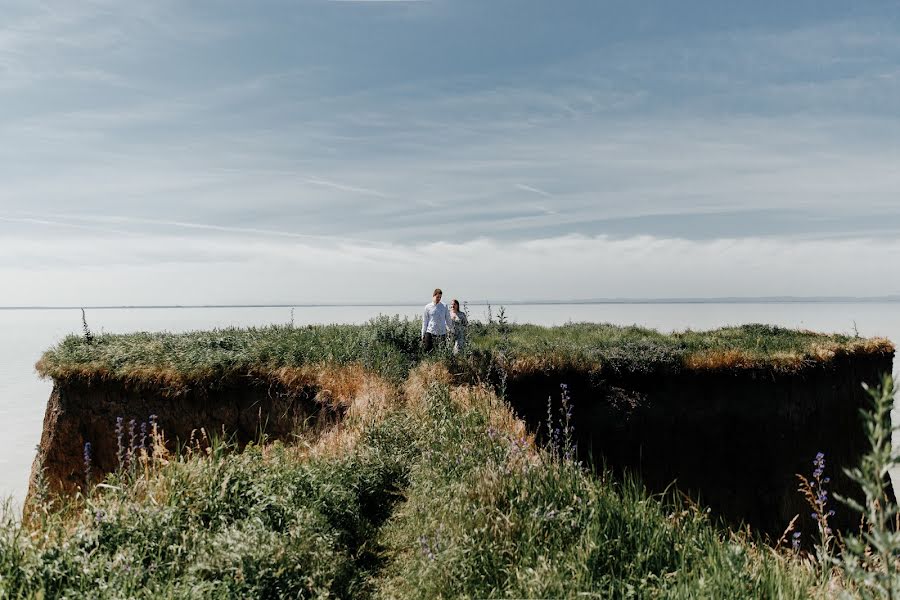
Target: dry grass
[366, 398]
[817, 353]
[500, 416]
[421, 382]
[172, 364]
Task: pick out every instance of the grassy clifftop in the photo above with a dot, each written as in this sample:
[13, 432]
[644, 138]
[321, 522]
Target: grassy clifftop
[390, 346]
[423, 489]
[442, 495]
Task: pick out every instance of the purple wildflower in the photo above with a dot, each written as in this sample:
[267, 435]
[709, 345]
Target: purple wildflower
[567, 428]
[819, 464]
[818, 499]
[120, 441]
[132, 436]
[87, 464]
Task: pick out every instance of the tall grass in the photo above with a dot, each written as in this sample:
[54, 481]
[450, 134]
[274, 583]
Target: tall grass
[444, 496]
[438, 493]
[217, 358]
[391, 347]
[488, 515]
[263, 523]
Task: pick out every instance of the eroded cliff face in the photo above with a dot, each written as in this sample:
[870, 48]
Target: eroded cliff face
[81, 412]
[735, 439]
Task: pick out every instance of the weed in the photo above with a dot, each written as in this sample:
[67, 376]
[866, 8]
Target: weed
[815, 490]
[88, 336]
[870, 560]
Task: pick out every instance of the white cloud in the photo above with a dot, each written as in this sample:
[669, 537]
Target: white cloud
[263, 161]
[113, 269]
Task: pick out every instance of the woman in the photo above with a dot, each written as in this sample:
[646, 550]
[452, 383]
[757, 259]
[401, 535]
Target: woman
[458, 322]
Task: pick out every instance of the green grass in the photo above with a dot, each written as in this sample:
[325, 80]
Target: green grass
[485, 519]
[437, 499]
[216, 358]
[257, 524]
[390, 346]
[439, 494]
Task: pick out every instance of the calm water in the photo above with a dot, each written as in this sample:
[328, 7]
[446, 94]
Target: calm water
[27, 333]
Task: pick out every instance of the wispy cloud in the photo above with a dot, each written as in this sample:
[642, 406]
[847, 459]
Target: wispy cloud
[63, 220]
[279, 122]
[182, 269]
[344, 187]
[60, 224]
[533, 190]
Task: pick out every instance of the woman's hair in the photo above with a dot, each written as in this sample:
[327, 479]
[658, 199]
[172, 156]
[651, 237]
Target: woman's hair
[456, 302]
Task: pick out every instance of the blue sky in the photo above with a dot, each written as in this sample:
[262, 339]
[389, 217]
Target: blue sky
[340, 150]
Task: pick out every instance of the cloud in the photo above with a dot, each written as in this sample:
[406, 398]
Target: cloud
[667, 177]
[528, 188]
[342, 186]
[176, 269]
[142, 124]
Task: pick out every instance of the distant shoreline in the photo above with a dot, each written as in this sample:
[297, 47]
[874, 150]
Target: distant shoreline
[724, 300]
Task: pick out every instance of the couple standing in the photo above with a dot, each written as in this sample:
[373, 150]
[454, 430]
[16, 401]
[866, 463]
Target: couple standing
[441, 323]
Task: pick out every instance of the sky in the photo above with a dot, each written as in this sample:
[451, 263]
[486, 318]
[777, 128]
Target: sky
[306, 151]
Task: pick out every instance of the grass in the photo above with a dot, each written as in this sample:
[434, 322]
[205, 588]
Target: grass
[637, 349]
[390, 346]
[439, 494]
[503, 519]
[425, 489]
[223, 357]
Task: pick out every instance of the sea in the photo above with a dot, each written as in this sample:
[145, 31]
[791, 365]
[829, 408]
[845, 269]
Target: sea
[26, 333]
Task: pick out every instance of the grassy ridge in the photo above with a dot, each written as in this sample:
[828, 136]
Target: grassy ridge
[443, 497]
[493, 525]
[390, 346]
[424, 490]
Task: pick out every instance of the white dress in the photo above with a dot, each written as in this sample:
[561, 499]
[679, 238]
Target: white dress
[458, 323]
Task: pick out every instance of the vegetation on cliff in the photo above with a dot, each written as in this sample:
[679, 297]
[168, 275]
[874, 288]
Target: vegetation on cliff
[442, 494]
[428, 486]
[391, 347]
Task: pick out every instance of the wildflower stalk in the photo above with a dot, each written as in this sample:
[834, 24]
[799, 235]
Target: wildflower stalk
[132, 451]
[816, 493]
[87, 467]
[120, 443]
[568, 429]
[88, 335]
[551, 434]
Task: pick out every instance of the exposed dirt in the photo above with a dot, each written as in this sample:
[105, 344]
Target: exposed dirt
[735, 439]
[78, 413]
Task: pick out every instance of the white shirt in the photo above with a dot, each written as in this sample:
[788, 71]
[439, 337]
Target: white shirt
[436, 320]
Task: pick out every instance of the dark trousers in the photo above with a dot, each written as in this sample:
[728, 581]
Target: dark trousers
[429, 340]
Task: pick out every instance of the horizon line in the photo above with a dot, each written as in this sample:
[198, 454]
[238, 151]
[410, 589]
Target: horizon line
[498, 303]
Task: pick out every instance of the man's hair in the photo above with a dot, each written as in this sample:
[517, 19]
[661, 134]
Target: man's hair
[437, 291]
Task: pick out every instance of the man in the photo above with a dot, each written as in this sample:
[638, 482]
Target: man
[436, 322]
